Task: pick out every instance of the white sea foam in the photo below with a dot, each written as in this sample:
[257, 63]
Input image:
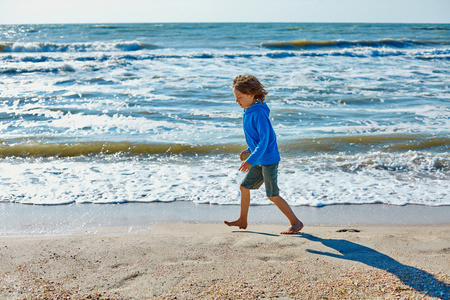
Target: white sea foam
[409, 178]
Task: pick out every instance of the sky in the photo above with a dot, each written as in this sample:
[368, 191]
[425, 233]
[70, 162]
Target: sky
[158, 11]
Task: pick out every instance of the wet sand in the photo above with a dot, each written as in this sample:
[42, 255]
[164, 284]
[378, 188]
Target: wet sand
[19, 219]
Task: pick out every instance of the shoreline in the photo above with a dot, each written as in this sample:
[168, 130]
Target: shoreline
[28, 220]
[213, 261]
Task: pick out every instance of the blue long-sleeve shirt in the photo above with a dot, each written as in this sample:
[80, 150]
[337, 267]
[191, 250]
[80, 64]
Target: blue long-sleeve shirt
[260, 136]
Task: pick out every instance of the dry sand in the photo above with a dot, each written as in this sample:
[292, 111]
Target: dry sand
[213, 261]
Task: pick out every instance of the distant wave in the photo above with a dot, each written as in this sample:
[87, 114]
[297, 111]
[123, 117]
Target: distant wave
[422, 54]
[105, 26]
[16, 71]
[341, 44]
[75, 47]
[430, 28]
[317, 145]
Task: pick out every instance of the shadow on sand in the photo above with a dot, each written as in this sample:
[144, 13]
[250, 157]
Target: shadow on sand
[417, 279]
[256, 232]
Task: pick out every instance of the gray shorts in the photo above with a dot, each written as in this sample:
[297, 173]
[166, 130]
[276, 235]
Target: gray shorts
[262, 173]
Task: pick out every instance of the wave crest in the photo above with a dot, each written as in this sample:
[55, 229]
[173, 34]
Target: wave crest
[385, 143]
[40, 149]
[75, 47]
[390, 43]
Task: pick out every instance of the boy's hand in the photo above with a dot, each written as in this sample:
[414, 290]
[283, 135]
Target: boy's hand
[245, 166]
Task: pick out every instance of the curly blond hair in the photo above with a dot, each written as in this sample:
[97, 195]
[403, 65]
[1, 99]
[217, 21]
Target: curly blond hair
[250, 85]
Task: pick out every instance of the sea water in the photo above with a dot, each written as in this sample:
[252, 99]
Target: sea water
[120, 113]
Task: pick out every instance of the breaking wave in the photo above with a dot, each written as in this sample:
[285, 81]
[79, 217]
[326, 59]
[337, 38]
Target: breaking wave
[75, 47]
[389, 143]
[342, 44]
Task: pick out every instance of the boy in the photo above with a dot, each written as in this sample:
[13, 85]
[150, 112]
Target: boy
[263, 155]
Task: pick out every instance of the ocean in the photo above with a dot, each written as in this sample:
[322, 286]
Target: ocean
[125, 113]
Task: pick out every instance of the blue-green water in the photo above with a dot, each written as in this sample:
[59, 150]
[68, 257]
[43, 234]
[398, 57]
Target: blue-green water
[145, 112]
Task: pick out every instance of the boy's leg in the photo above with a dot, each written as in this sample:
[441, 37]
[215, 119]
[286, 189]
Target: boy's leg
[296, 224]
[253, 180]
[245, 204]
[270, 173]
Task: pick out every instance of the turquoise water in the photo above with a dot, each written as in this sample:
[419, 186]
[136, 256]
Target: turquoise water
[114, 113]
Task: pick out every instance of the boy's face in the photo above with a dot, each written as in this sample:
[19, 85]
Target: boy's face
[244, 100]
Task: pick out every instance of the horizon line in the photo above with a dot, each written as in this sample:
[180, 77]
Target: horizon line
[228, 22]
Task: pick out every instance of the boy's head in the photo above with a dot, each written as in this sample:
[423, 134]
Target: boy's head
[250, 85]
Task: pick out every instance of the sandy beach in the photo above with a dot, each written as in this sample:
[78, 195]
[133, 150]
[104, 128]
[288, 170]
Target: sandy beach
[212, 261]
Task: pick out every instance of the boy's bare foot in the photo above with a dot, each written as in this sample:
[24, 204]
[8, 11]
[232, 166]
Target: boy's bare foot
[293, 229]
[238, 222]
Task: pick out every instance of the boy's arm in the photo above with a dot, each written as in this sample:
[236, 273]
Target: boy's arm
[262, 126]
